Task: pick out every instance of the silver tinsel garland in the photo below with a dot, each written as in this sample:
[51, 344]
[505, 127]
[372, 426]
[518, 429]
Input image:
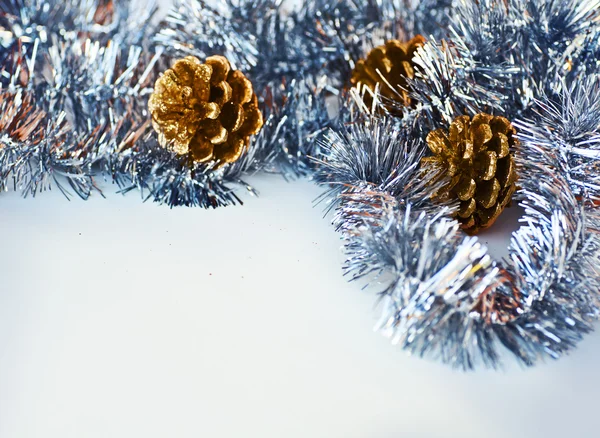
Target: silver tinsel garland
[443, 294]
[75, 78]
[92, 65]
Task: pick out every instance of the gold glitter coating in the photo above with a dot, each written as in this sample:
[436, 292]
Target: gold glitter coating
[388, 66]
[478, 157]
[205, 110]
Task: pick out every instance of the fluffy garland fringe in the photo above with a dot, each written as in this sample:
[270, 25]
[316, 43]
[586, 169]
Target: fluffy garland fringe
[535, 62]
[76, 76]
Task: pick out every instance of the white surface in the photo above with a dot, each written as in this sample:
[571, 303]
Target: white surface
[125, 319]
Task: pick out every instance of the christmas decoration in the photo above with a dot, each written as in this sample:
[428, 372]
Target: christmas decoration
[476, 155]
[94, 64]
[76, 80]
[443, 295]
[386, 69]
[206, 110]
[269, 46]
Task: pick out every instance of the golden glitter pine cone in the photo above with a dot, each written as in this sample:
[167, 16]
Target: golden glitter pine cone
[388, 66]
[478, 157]
[205, 110]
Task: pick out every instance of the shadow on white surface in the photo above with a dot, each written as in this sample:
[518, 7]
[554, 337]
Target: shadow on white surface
[127, 319]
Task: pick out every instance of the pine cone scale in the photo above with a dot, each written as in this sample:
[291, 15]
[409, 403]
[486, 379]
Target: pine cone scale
[505, 171]
[487, 193]
[220, 69]
[467, 208]
[486, 165]
[233, 117]
[438, 143]
[253, 119]
[204, 110]
[481, 135]
[213, 131]
[465, 190]
[500, 145]
[221, 93]
[233, 149]
[200, 148]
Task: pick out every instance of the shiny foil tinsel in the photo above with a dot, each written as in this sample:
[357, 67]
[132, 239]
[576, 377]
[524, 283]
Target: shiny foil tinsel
[75, 79]
[442, 294]
[90, 68]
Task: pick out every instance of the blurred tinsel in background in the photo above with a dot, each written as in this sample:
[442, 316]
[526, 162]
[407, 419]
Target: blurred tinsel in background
[424, 119]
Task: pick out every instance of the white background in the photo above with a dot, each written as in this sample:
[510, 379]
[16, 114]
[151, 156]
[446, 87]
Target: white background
[126, 319]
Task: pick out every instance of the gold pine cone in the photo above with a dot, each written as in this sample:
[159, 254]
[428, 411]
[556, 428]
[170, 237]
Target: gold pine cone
[388, 66]
[478, 156]
[205, 110]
